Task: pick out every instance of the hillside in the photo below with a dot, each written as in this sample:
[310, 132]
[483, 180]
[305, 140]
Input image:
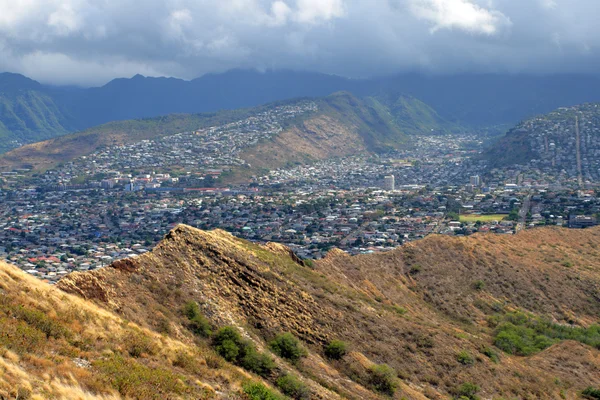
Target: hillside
[341, 125]
[28, 113]
[411, 115]
[483, 316]
[57, 346]
[486, 101]
[554, 141]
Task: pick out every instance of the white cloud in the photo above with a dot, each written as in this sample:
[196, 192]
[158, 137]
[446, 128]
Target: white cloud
[459, 14]
[318, 10]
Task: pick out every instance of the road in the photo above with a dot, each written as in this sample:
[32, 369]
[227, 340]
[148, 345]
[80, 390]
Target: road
[523, 213]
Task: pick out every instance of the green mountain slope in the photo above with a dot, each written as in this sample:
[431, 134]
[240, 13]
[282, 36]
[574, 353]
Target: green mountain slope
[411, 116]
[30, 116]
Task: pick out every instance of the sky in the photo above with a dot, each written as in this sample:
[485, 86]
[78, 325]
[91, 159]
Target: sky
[89, 42]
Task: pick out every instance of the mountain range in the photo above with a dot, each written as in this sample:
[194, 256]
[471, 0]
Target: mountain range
[30, 111]
[207, 315]
[341, 125]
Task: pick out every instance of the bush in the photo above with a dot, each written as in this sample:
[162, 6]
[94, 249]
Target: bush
[523, 335]
[465, 358]
[259, 363]
[479, 285]
[383, 379]
[258, 391]
[199, 324]
[591, 393]
[467, 391]
[41, 321]
[191, 309]
[288, 346]
[336, 349]
[230, 345]
[293, 387]
[491, 354]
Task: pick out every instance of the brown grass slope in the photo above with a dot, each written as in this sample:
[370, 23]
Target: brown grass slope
[415, 308]
[54, 345]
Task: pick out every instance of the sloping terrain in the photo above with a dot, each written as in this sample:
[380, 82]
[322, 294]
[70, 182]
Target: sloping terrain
[491, 101]
[343, 125]
[43, 155]
[57, 346]
[555, 141]
[28, 113]
[439, 311]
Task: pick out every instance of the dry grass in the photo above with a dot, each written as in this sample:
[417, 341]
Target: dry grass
[263, 291]
[111, 347]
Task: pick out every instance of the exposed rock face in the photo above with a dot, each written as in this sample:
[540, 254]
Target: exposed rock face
[215, 269]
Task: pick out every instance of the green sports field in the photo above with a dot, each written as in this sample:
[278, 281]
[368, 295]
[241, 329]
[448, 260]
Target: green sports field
[482, 218]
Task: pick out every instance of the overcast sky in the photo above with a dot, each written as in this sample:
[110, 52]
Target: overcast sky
[88, 42]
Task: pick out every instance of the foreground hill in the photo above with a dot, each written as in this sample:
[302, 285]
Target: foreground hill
[484, 316]
[342, 125]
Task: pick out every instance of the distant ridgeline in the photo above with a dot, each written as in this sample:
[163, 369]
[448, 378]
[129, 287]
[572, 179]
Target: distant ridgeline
[30, 111]
[564, 141]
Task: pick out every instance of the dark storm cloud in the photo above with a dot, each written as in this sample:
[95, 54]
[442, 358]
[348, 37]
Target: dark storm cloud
[91, 41]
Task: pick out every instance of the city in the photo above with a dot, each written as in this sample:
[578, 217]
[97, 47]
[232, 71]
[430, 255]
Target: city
[119, 202]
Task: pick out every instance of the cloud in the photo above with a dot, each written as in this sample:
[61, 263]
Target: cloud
[459, 14]
[88, 42]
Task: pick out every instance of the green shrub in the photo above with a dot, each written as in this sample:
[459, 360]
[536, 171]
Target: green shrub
[465, 358]
[191, 309]
[259, 363]
[383, 379]
[479, 285]
[591, 393]
[523, 335]
[336, 349]
[293, 387]
[228, 350]
[491, 354]
[230, 345]
[467, 391]
[258, 391]
[415, 269]
[199, 324]
[137, 343]
[288, 346]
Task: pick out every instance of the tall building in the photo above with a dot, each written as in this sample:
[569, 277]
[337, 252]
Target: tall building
[389, 182]
[475, 180]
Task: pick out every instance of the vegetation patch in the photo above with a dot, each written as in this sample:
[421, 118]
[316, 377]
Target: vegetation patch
[135, 380]
[336, 349]
[288, 346]
[523, 334]
[383, 379]
[198, 323]
[258, 391]
[293, 387]
[230, 345]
